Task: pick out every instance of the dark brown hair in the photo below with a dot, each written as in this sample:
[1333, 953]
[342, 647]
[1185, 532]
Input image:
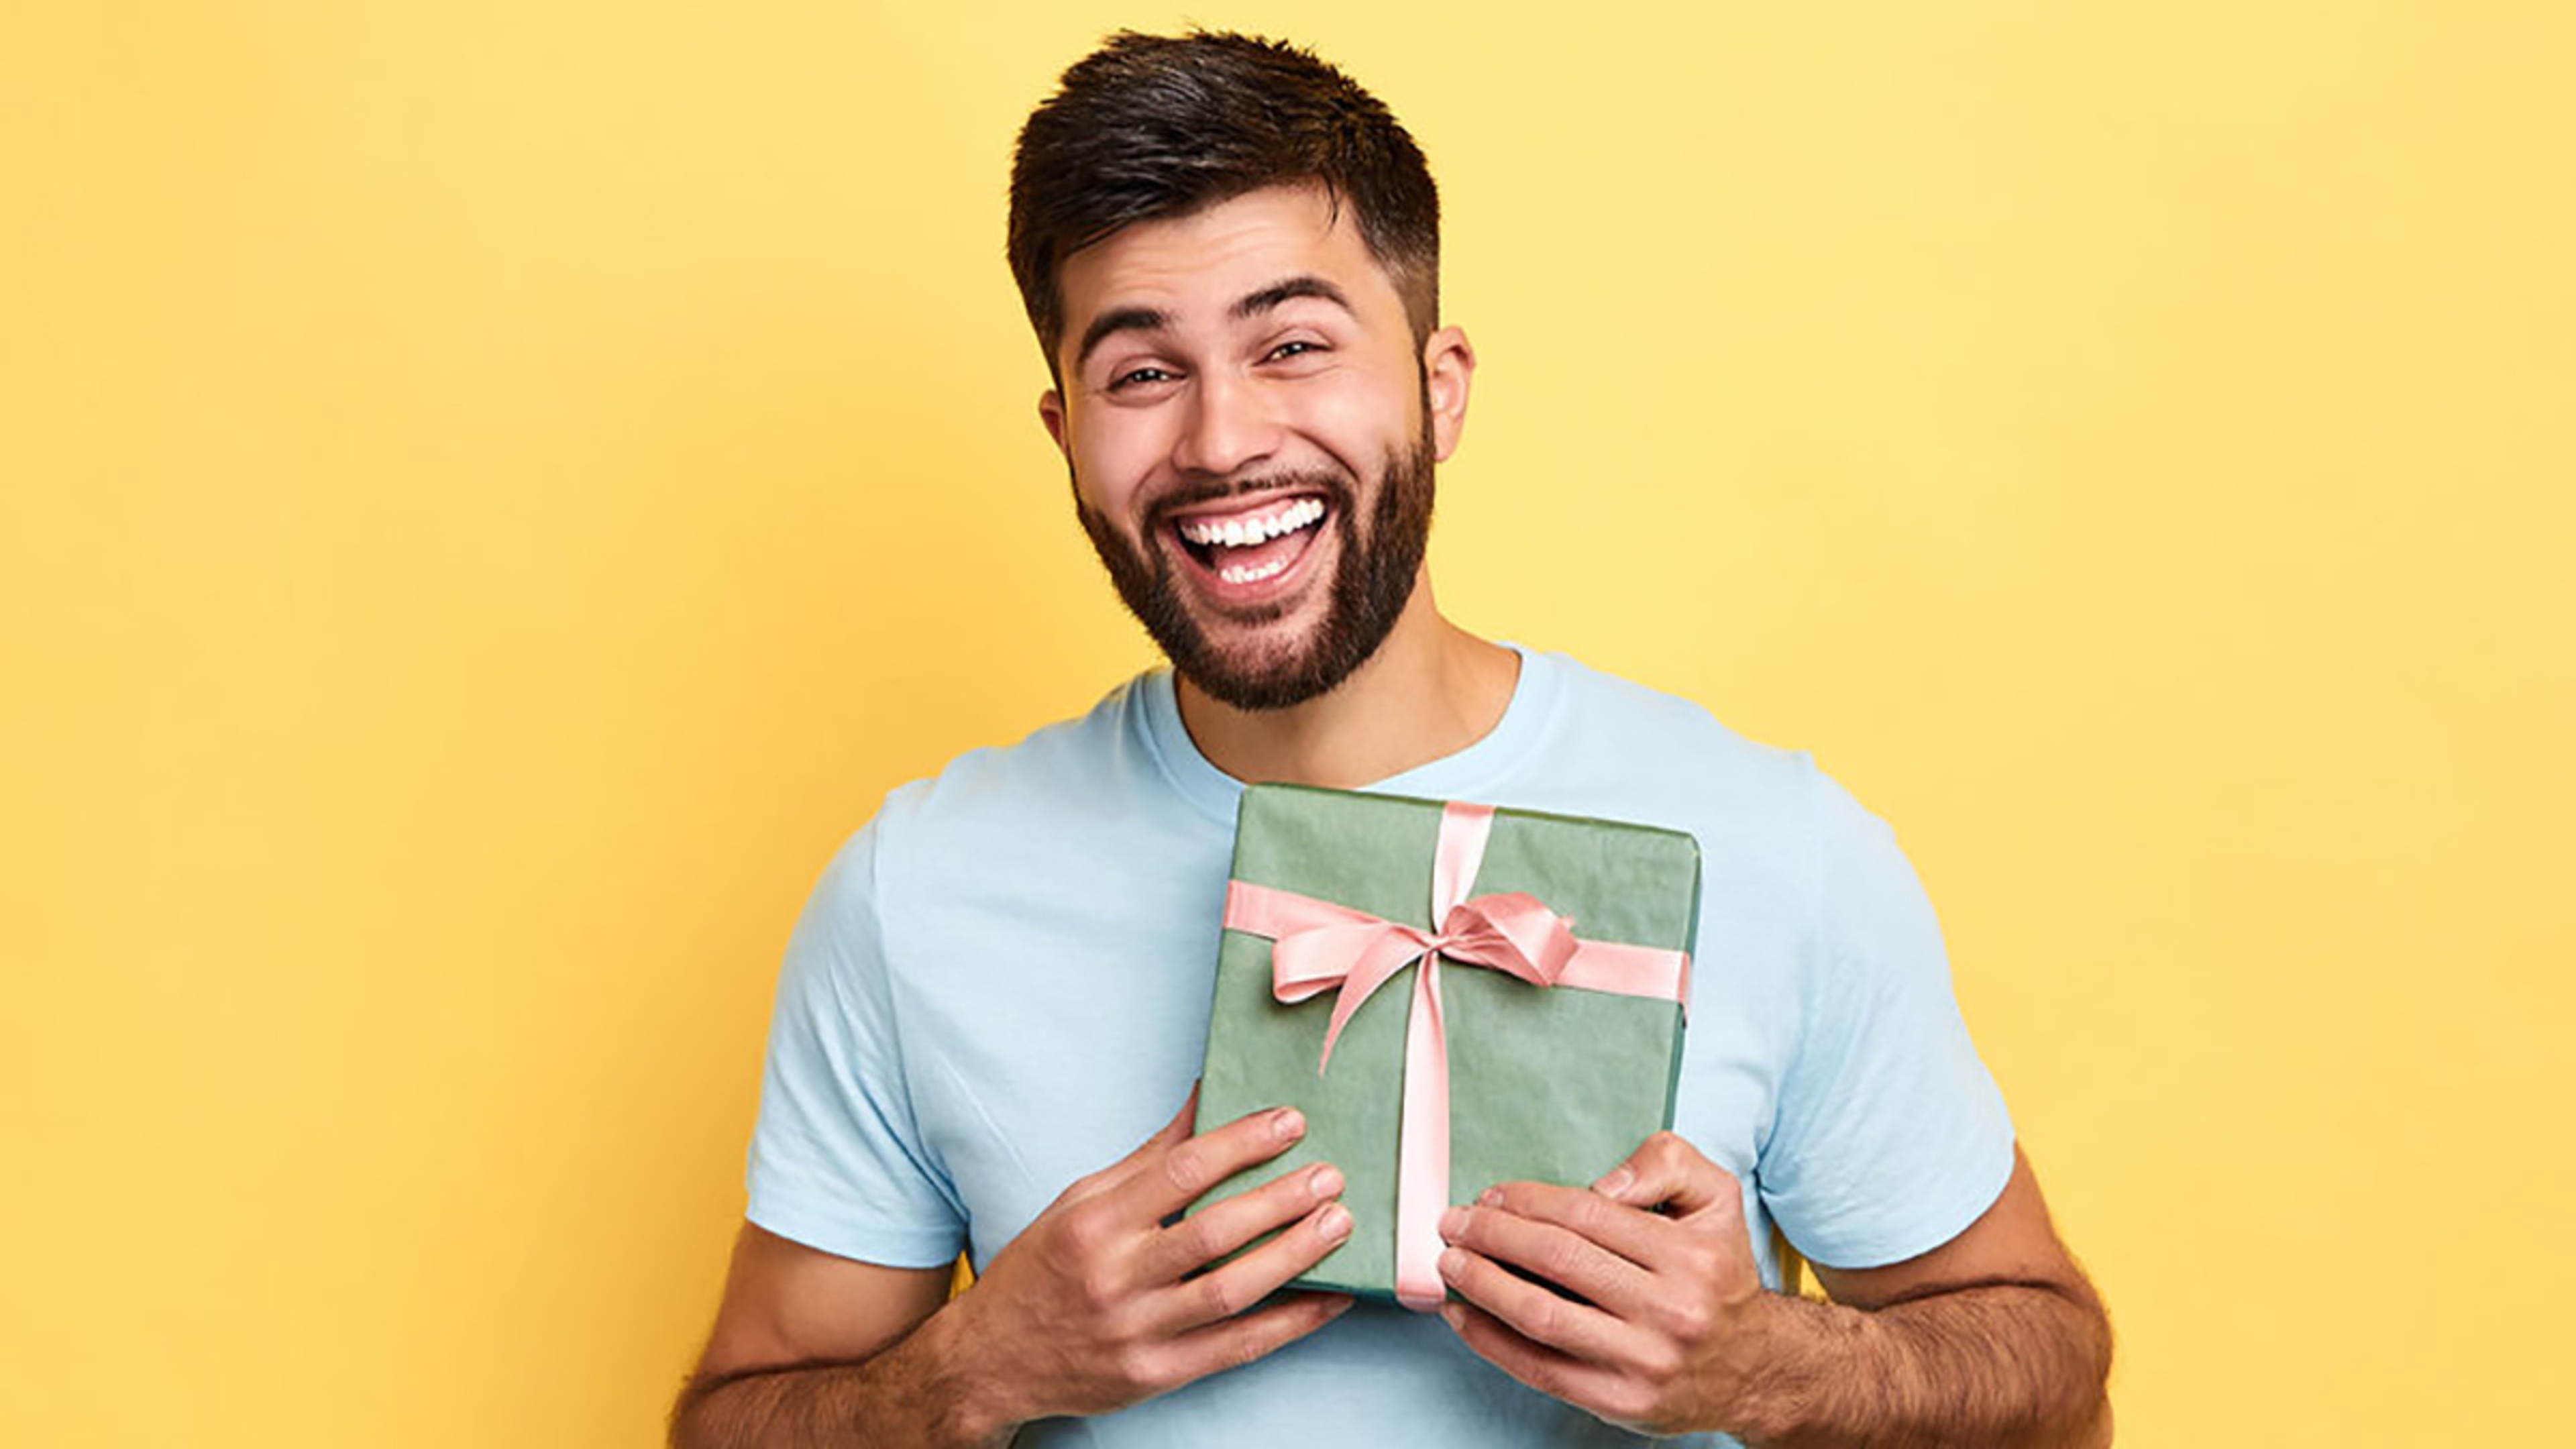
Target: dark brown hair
[1152, 126]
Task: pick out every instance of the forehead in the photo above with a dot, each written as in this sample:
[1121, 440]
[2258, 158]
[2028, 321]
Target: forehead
[1195, 266]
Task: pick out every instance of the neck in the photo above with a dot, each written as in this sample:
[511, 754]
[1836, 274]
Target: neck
[1430, 690]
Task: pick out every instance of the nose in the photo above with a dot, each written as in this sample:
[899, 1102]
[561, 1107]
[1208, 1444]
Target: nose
[1231, 423]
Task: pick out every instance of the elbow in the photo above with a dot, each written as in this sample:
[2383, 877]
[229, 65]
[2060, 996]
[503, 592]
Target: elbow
[2093, 1409]
[694, 1423]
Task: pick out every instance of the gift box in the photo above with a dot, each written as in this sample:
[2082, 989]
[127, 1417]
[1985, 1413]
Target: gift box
[1454, 996]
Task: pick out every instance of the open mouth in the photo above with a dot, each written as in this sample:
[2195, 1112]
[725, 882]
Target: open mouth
[1244, 546]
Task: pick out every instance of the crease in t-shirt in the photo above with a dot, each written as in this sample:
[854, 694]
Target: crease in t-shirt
[993, 1133]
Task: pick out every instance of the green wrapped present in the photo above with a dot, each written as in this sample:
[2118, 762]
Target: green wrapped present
[1454, 996]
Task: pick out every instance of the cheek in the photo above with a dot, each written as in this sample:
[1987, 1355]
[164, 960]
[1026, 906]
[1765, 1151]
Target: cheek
[1111, 464]
[1360, 416]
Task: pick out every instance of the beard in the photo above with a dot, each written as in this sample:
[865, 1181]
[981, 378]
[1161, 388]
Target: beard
[1373, 576]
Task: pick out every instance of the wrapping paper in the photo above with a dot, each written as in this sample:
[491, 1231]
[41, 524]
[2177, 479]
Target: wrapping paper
[1555, 1083]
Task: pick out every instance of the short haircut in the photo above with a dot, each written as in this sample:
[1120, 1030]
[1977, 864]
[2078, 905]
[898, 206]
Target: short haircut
[1155, 126]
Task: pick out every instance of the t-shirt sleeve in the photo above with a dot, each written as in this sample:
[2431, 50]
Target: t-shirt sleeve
[837, 1161]
[1891, 1136]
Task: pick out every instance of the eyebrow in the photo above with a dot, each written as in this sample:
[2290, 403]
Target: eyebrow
[1279, 294]
[1153, 319]
[1110, 324]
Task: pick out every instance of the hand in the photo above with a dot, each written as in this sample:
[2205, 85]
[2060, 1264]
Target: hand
[1098, 1304]
[1670, 1328]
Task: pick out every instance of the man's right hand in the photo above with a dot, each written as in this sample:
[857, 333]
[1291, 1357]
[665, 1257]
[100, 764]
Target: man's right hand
[1109, 1297]
[1104, 1300]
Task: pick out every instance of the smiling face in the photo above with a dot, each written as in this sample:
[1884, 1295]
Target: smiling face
[1252, 432]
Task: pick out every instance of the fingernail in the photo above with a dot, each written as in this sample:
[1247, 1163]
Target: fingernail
[1452, 1223]
[1453, 1315]
[1451, 1262]
[1490, 1197]
[1335, 1224]
[1325, 1181]
[1335, 1305]
[1287, 1124]
[1616, 1183]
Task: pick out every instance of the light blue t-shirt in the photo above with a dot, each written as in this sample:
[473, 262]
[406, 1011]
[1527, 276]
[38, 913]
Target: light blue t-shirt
[1002, 984]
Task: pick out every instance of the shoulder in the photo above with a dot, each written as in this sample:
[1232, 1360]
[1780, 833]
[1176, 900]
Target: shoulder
[1069, 766]
[1628, 737]
[1001, 824]
[1778, 836]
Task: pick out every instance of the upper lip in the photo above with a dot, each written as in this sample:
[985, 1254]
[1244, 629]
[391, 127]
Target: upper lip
[1235, 503]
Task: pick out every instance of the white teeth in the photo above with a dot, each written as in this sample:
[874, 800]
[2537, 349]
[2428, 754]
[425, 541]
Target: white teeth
[1242, 574]
[1241, 533]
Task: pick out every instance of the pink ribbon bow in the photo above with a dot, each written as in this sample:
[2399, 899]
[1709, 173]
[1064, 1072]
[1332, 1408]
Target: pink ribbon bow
[1321, 946]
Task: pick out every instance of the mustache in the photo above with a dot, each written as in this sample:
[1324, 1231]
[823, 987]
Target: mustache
[1332, 485]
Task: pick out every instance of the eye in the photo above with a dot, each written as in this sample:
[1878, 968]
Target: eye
[1138, 377]
[1298, 348]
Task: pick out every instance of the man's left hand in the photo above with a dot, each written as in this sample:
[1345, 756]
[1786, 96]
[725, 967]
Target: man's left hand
[1661, 1321]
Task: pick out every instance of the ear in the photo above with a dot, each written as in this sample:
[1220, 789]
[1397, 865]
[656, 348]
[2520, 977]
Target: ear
[1448, 366]
[1051, 413]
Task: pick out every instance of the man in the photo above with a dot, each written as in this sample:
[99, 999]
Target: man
[1229, 253]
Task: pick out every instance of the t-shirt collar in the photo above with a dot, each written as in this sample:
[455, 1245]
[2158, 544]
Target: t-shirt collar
[1468, 774]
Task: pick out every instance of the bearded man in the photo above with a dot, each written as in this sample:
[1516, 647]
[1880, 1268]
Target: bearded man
[1230, 255]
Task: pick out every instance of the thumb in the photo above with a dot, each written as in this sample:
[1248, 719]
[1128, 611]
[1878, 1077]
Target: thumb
[1180, 1128]
[1166, 1137]
[1670, 1175]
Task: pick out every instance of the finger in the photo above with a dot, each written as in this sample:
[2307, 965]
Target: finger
[1227, 1224]
[1536, 1312]
[1240, 1340]
[1178, 1129]
[1229, 1289]
[1667, 1172]
[1551, 1373]
[1631, 1233]
[1570, 1257]
[1166, 1137]
[1168, 1177]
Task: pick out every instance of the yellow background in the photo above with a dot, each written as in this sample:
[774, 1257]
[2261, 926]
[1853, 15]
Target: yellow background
[494, 492]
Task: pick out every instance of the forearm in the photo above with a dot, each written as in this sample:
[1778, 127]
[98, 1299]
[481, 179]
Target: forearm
[2012, 1366]
[916, 1392]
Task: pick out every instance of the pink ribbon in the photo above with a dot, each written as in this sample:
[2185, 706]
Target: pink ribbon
[1323, 947]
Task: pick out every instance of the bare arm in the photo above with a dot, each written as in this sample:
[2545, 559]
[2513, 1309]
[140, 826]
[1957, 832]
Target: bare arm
[1993, 1339]
[1096, 1305]
[808, 1347]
